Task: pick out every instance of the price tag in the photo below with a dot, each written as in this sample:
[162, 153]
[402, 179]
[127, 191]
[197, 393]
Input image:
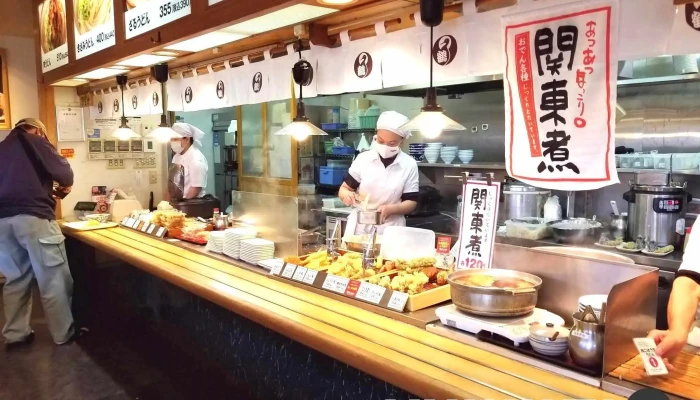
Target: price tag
[336, 284]
[161, 232]
[352, 288]
[124, 221]
[653, 364]
[55, 58]
[299, 274]
[145, 226]
[276, 269]
[153, 14]
[398, 301]
[370, 293]
[130, 222]
[310, 276]
[288, 271]
[151, 229]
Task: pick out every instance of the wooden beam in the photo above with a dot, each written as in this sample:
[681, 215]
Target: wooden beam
[489, 5]
[682, 2]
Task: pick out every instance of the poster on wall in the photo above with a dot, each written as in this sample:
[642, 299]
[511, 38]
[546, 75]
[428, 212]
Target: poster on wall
[69, 124]
[477, 233]
[144, 15]
[53, 34]
[94, 26]
[560, 93]
[5, 122]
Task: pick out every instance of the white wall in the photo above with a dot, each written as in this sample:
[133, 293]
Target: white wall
[21, 70]
[95, 173]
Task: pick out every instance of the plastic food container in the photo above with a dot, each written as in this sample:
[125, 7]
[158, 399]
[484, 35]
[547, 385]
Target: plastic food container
[626, 160]
[332, 176]
[684, 161]
[644, 161]
[528, 228]
[662, 161]
[343, 150]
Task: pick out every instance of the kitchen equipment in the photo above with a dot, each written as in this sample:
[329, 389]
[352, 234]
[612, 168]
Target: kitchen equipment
[330, 225]
[429, 199]
[400, 242]
[586, 342]
[358, 243]
[613, 204]
[368, 217]
[657, 211]
[552, 209]
[494, 301]
[576, 230]
[523, 201]
[587, 253]
[516, 329]
[618, 225]
[201, 207]
[528, 228]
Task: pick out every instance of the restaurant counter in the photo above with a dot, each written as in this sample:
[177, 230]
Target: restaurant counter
[277, 340]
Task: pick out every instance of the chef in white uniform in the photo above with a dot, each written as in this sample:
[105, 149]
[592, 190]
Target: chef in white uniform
[683, 304]
[187, 154]
[385, 174]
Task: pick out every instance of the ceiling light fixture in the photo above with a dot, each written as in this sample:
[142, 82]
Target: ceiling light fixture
[300, 127]
[124, 132]
[102, 73]
[336, 2]
[163, 133]
[206, 41]
[432, 119]
[70, 82]
[145, 60]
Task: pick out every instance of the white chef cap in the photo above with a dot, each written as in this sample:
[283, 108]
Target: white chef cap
[392, 121]
[186, 130]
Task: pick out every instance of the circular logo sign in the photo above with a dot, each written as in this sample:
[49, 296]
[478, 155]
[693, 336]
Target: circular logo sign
[99, 107]
[115, 106]
[363, 65]
[444, 49]
[257, 82]
[134, 102]
[155, 99]
[188, 94]
[220, 89]
[692, 16]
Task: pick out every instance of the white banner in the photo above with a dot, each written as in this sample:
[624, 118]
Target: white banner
[404, 62]
[94, 27]
[153, 14]
[561, 90]
[100, 109]
[53, 34]
[477, 232]
[685, 36]
[362, 62]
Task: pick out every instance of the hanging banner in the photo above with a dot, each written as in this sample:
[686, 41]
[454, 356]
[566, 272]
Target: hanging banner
[253, 78]
[362, 67]
[645, 28]
[94, 26]
[100, 108]
[53, 34]
[402, 49]
[477, 232]
[281, 80]
[329, 64]
[685, 35]
[561, 90]
[174, 93]
[144, 15]
[153, 94]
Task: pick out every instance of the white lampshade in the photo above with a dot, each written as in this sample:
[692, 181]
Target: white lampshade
[125, 133]
[163, 134]
[300, 130]
[432, 123]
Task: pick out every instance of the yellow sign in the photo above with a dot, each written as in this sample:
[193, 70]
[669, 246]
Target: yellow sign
[68, 153]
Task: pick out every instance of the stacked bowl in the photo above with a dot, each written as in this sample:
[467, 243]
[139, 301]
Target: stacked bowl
[448, 154]
[465, 156]
[416, 150]
[432, 152]
[594, 300]
[549, 340]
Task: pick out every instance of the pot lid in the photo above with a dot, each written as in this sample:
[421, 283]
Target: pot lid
[548, 331]
[520, 188]
[658, 188]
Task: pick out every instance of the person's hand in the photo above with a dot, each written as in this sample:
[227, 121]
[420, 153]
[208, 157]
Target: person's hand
[60, 192]
[385, 212]
[668, 344]
[347, 197]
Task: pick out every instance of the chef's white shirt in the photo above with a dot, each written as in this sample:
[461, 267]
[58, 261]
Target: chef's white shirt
[196, 167]
[690, 266]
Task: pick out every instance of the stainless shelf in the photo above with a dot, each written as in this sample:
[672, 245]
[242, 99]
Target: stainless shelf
[675, 172]
[498, 166]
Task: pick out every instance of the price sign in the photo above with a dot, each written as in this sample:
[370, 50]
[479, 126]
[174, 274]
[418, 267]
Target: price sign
[353, 286]
[299, 274]
[310, 276]
[153, 14]
[370, 293]
[336, 284]
[151, 229]
[161, 232]
[398, 301]
[130, 222]
[477, 233]
[90, 40]
[125, 220]
[288, 271]
[276, 269]
[144, 228]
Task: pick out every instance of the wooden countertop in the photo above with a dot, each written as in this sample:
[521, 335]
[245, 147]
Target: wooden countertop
[412, 358]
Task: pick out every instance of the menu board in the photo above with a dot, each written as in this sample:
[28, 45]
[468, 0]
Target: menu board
[144, 15]
[53, 34]
[94, 26]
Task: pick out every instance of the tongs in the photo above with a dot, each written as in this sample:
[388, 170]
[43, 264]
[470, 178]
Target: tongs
[589, 312]
[331, 251]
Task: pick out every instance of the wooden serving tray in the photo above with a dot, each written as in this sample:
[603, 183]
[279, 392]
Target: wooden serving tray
[428, 298]
[684, 381]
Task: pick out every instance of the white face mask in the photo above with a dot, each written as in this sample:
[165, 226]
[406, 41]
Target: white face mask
[385, 151]
[176, 146]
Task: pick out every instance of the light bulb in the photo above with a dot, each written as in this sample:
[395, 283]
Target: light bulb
[431, 132]
[163, 134]
[124, 134]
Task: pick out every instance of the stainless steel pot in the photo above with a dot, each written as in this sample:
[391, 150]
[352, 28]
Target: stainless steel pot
[618, 226]
[587, 342]
[493, 301]
[523, 201]
[369, 217]
[576, 230]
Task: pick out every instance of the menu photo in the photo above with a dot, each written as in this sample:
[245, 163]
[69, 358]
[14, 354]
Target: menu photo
[144, 15]
[94, 26]
[5, 122]
[53, 34]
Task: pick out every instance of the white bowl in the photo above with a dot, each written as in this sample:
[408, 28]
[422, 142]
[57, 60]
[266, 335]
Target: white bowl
[447, 159]
[431, 160]
[465, 160]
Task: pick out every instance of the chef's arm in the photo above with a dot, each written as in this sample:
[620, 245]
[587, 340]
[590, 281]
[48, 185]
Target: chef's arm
[403, 208]
[683, 304]
[193, 193]
[348, 189]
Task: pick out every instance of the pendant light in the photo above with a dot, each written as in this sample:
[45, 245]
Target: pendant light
[163, 133]
[301, 128]
[432, 119]
[124, 132]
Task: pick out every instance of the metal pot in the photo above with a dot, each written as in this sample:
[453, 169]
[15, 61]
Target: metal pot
[493, 301]
[587, 342]
[577, 231]
[618, 226]
[369, 217]
[523, 201]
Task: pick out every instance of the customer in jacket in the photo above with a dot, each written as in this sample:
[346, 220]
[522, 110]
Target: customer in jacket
[31, 242]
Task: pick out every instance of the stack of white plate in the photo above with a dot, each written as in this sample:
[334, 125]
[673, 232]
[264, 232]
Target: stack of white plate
[232, 240]
[594, 300]
[466, 155]
[216, 242]
[448, 154]
[255, 250]
[432, 152]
